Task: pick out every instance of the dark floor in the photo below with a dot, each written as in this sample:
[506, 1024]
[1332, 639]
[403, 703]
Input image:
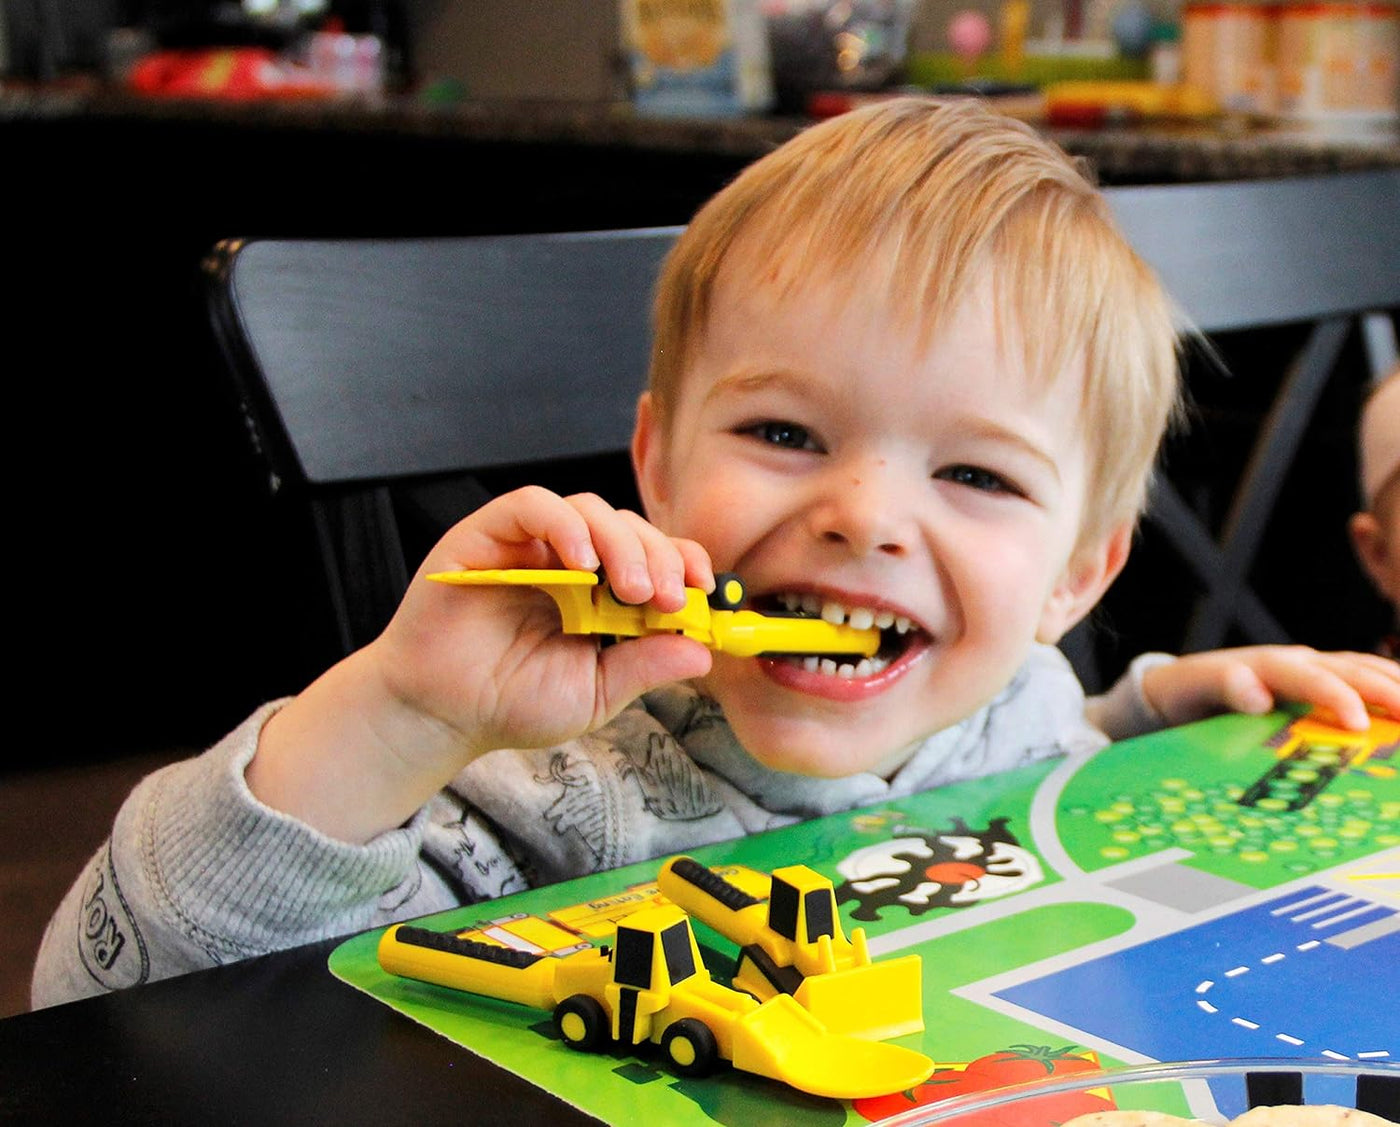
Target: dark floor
[51, 821]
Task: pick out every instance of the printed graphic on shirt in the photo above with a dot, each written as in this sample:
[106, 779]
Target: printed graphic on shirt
[579, 808]
[704, 713]
[109, 943]
[481, 861]
[673, 789]
[919, 872]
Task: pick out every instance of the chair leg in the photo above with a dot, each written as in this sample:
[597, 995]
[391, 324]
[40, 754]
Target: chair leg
[1203, 556]
[1254, 500]
[363, 560]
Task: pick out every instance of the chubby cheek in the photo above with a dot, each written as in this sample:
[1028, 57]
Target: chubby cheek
[998, 588]
[719, 512]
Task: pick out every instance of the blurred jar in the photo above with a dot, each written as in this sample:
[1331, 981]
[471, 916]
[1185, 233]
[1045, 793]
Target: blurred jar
[1338, 63]
[700, 57]
[835, 45]
[1228, 52]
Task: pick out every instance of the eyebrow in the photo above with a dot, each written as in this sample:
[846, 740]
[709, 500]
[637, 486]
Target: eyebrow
[986, 428]
[746, 381]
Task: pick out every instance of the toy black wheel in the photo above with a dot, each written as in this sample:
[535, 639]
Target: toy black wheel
[690, 1047]
[728, 593]
[581, 1022]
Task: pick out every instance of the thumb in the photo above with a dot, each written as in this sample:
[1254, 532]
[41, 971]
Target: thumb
[631, 668]
[1246, 692]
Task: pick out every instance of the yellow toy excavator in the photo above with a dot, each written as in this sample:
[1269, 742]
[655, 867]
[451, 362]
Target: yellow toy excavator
[792, 943]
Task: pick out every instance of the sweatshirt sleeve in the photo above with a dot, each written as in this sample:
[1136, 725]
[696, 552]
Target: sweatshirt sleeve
[197, 872]
[1123, 711]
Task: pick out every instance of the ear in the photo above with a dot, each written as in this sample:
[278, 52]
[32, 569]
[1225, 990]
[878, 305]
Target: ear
[649, 457]
[1088, 575]
[1372, 549]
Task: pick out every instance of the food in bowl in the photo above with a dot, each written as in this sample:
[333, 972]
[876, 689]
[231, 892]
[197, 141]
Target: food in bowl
[1319, 1115]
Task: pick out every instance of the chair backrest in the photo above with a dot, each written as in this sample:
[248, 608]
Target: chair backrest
[363, 363]
[1255, 253]
[381, 359]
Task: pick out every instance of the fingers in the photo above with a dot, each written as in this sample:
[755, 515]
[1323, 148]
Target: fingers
[530, 527]
[1343, 682]
[1252, 679]
[533, 527]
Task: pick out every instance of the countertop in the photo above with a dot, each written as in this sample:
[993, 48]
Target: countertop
[1162, 153]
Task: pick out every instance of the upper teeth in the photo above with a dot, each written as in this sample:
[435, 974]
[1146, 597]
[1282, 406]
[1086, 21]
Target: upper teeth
[861, 618]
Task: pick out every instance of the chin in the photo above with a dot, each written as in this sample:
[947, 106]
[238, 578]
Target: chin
[814, 749]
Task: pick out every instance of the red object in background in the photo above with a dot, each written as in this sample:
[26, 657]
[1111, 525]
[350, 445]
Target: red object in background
[1016, 1065]
[226, 73]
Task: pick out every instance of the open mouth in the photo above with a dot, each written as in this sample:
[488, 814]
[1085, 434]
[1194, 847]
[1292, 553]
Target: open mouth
[898, 633]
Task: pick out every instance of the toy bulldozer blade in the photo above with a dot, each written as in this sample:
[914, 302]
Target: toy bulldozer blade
[792, 943]
[783, 1040]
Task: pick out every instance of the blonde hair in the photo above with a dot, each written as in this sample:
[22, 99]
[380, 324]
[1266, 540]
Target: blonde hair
[915, 196]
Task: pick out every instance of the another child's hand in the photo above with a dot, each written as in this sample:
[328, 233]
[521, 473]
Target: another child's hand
[492, 666]
[1253, 679]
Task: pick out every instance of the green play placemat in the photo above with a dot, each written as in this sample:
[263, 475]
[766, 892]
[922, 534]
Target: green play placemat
[1127, 863]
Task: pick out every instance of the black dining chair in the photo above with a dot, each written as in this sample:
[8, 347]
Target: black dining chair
[379, 380]
[1321, 253]
[374, 375]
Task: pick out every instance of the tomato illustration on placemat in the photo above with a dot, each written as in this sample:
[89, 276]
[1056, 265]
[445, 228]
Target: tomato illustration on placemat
[1017, 1064]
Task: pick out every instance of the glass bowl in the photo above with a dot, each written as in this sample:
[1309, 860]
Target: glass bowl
[1213, 1091]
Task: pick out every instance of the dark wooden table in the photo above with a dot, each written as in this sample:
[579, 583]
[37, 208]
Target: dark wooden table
[267, 1041]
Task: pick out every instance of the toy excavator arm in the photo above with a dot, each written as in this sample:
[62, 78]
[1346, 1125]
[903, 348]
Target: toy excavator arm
[587, 606]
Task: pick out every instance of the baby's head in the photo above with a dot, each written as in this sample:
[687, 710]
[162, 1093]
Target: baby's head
[905, 371]
[1376, 530]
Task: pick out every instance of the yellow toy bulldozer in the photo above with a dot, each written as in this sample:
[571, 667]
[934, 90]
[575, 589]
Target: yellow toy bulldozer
[792, 943]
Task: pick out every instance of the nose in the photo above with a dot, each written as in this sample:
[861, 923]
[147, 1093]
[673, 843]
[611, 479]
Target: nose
[865, 508]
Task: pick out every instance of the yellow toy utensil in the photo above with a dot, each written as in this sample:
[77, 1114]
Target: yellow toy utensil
[588, 606]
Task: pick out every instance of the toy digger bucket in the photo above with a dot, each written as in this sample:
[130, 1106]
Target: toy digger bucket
[783, 1041]
[876, 1001]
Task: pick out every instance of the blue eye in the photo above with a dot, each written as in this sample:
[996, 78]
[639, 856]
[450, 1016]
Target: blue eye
[779, 433]
[974, 477]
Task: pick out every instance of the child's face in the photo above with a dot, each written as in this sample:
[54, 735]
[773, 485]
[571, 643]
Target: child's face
[818, 452]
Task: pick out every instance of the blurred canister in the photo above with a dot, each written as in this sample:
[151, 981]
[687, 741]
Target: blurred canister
[1227, 52]
[1339, 63]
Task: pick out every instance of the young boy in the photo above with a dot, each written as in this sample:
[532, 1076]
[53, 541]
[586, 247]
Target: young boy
[1375, 531]
[905, 373]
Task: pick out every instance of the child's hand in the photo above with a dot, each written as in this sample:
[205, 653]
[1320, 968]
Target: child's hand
[493, 664]
[1253, 678]
[465, 670]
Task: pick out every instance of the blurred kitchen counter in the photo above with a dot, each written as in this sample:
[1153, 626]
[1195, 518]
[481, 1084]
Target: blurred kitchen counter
[1140, 153]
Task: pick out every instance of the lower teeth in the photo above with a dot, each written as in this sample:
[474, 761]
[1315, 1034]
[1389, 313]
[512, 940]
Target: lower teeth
[866, 667]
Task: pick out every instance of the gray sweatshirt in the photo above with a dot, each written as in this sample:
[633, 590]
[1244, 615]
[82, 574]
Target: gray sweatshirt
[197, 872]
